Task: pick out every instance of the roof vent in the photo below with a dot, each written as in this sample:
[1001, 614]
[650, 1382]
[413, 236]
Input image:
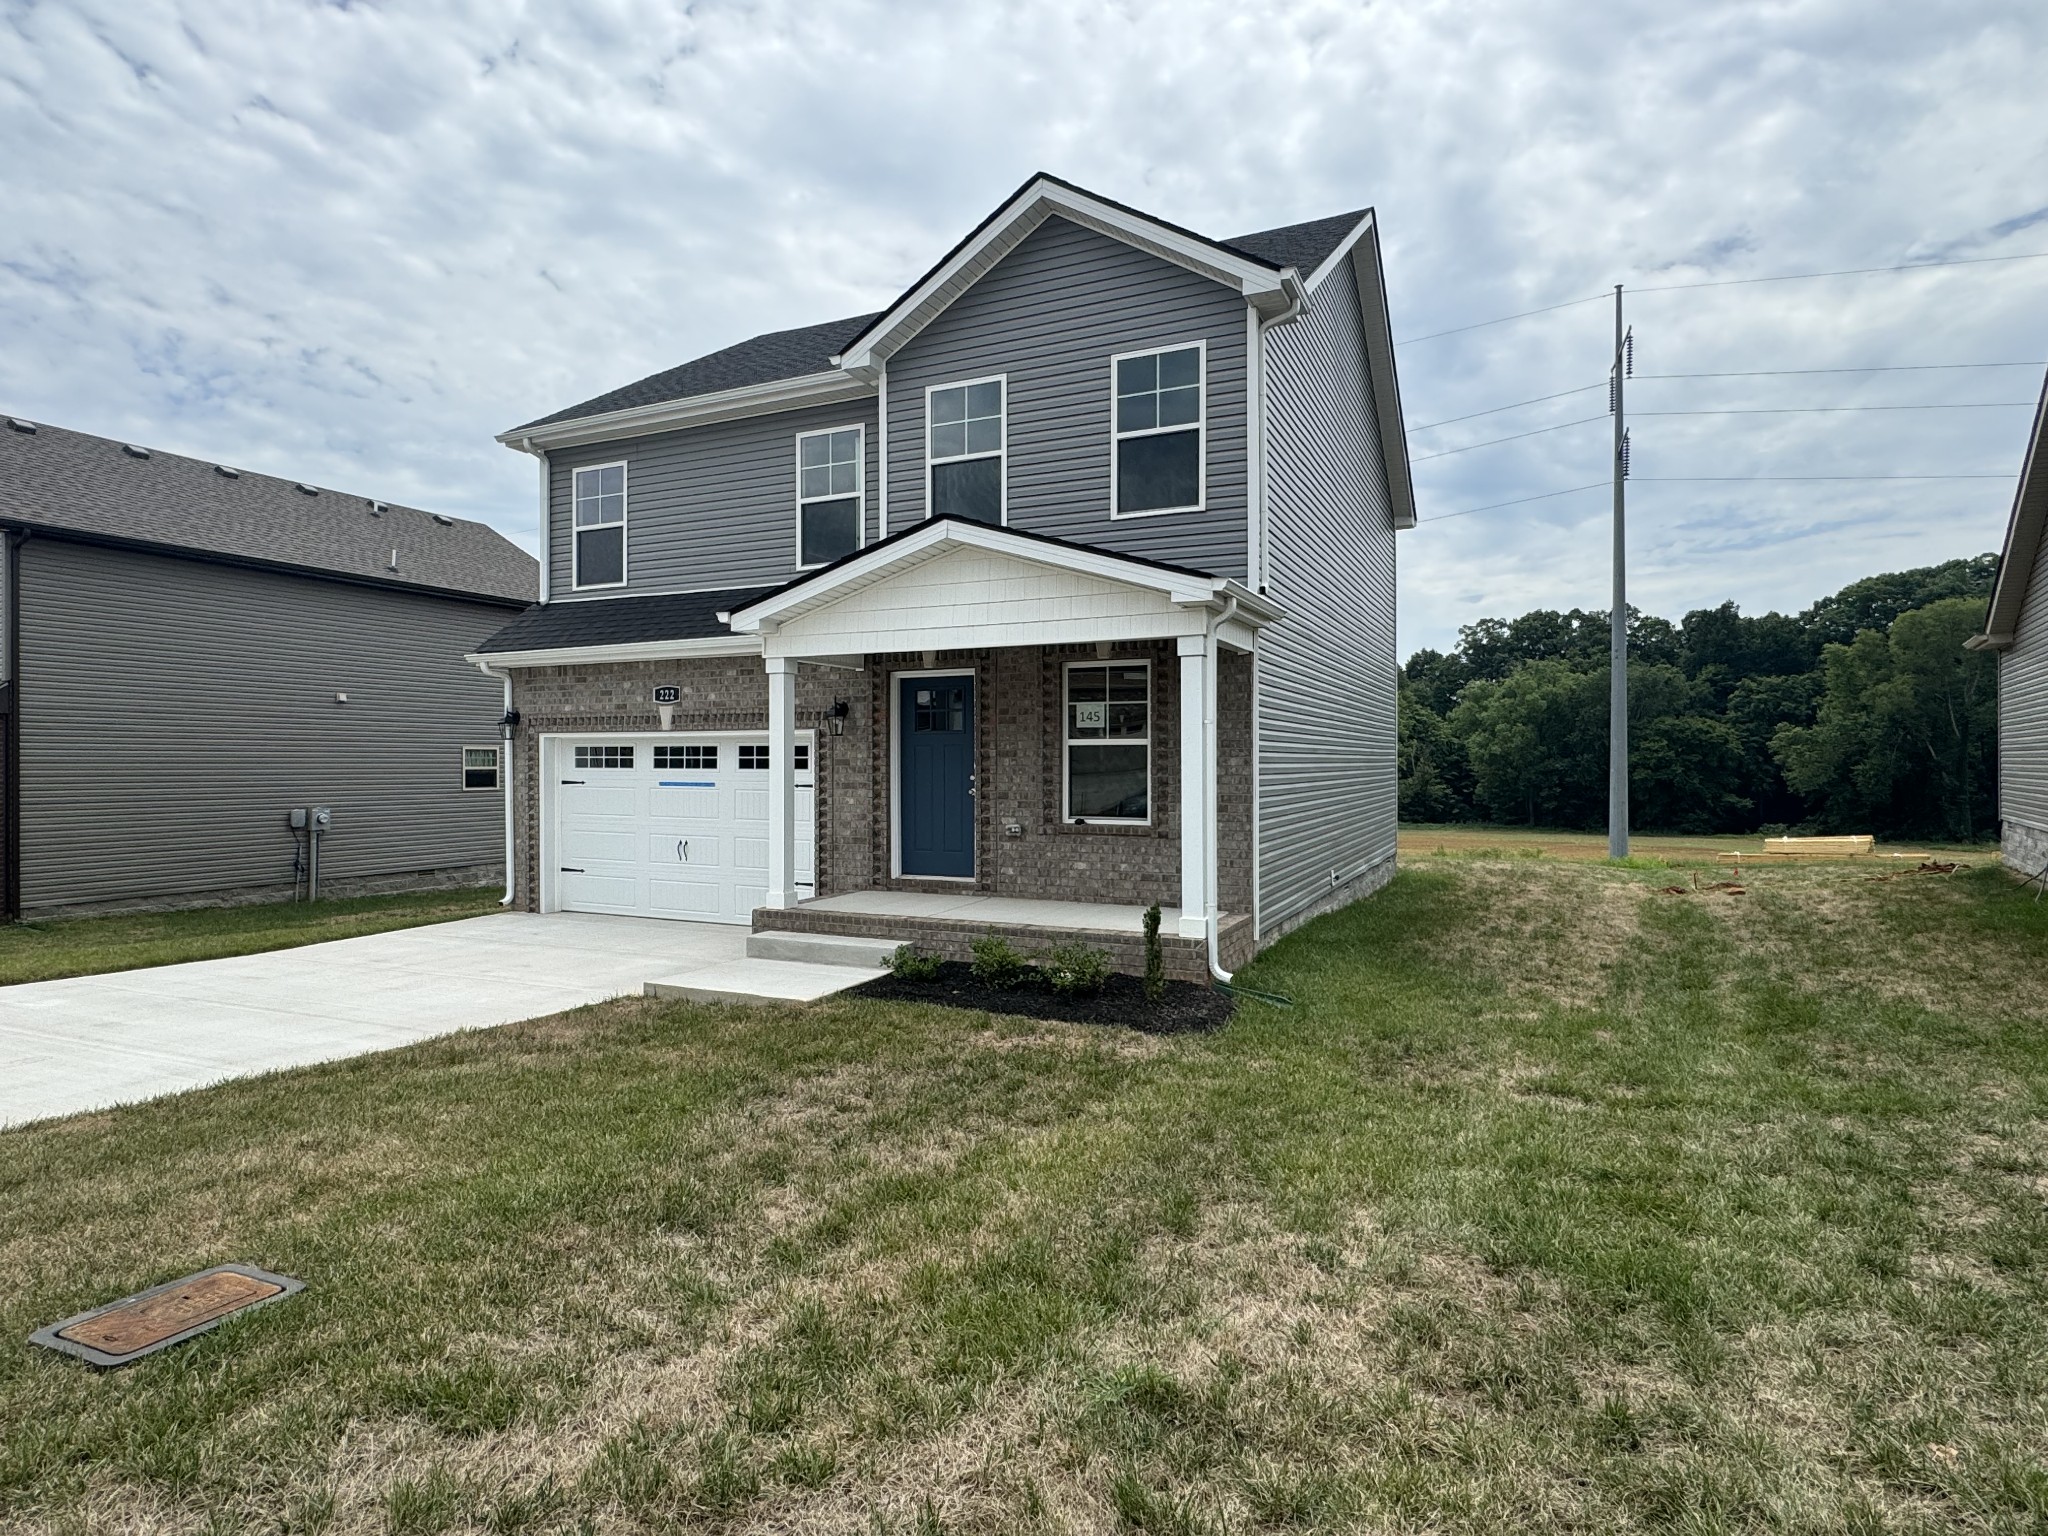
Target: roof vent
[19, 425]
[134, 452]
[376, 508]
[394, 560]
[308, 490]
[445, 522]
[223, 470]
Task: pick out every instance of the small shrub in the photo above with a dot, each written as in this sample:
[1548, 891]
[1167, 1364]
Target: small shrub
[909, 963]
[997, 962]
[1155, 957]
[1075, 969]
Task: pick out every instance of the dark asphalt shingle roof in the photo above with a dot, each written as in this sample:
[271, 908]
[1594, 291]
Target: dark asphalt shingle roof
[620, 621]
[811, 348]
[72, 482]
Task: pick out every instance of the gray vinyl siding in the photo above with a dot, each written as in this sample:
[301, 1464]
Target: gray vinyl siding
[712, 506]
[173, 710]
[2023, 710]
[1050, 315]
[1326, 670]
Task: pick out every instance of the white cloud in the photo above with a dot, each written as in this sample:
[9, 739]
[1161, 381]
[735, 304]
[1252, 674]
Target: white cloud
[349, 242]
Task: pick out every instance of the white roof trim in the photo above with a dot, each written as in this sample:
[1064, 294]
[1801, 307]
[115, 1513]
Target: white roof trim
[2025, 534]
[636, 650]
[940, 535]
[693, 411]
[1367, 220]
[1269, 291]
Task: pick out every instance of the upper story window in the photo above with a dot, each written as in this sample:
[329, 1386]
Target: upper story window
[830, 500]
[965, 449]
[1159, 431]
[599, 556]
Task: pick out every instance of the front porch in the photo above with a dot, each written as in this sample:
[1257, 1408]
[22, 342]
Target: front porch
[947, 924]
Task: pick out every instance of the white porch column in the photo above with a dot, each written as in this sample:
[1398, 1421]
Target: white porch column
[1197, 667]
[782, 781]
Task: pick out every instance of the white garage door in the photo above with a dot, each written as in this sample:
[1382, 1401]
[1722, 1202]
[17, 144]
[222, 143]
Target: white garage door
[671, 826]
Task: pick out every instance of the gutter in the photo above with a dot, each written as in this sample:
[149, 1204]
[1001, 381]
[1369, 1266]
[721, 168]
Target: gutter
[505, 776]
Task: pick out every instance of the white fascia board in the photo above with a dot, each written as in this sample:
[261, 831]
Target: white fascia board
[1370, 283]
[1335, 260]
[639, 650]
[935, 536]
[695, 411]
[1268, 290]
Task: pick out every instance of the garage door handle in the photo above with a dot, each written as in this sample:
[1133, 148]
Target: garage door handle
[683, 851]
[566, 870]
[575, 781]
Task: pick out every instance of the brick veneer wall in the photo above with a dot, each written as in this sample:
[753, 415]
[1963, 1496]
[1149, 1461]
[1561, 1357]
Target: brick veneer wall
[953, 939]
[720, 693]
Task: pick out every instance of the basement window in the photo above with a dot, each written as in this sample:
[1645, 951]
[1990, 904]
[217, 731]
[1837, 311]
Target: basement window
[479, 767]
[1109, 742]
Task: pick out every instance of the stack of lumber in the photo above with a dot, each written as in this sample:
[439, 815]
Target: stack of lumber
[1783, 849]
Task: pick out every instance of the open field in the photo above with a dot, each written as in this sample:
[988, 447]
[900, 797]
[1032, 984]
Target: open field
[87, 946]
[1419, 840]
[1556, 1203]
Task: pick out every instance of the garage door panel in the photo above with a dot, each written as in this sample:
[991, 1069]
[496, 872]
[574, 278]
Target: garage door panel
[750, 853]
[612, 893]
[586, 845]
[697, 850]
[694, 802]
[619, 800]
[750, 804]
[688, 898]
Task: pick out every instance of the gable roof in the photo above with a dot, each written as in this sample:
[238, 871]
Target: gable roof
[2025, 533]
[72, 484]
[747, 374]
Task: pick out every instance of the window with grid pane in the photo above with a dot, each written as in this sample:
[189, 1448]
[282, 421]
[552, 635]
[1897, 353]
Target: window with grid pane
[829, 495]
[965, 447]
[1109, 742]
[479, 767]
[599, 557]
[1159, 431]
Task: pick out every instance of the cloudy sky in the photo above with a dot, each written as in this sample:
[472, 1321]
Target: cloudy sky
[348, 242]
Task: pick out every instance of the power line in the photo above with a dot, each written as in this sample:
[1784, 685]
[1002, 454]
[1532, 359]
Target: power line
[1677, 479]
[1500, 320]
[1597, 485]
[1793, 277]
[1808, 410]
[1497, 409]
[1773, 373]
[1424, 458]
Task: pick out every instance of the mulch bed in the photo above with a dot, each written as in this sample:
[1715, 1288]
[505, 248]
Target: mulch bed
[1185, 1009]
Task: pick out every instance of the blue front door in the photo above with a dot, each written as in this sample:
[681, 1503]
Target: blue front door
[936, 754]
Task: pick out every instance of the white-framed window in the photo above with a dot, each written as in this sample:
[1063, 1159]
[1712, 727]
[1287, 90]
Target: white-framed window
[604, 757]
[699, 758]
[753, 757]
[479, 767]
[831, 494]
[1108, 713]
[1160, 456]
[598, 514]
[966, 432]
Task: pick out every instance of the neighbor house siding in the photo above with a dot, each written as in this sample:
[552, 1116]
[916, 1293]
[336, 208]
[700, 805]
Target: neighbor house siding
[713, 506]
[1325, 670]
[174, 710]
[2023, 712]
[1050, 315]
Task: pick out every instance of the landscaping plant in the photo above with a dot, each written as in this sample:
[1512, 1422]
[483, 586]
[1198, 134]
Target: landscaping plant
[913, 964]
[1155, 957]
[1075, 969]
[998, 963]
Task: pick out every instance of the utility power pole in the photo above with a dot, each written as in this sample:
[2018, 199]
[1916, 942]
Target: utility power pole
[1617, 694]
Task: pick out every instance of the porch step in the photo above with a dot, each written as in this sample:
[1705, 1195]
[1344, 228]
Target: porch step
[759, 981]
[822, 949]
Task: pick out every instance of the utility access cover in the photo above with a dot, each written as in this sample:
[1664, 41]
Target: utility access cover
[165, 1315]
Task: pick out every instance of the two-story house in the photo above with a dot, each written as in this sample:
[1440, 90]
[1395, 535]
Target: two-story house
[1063, 586]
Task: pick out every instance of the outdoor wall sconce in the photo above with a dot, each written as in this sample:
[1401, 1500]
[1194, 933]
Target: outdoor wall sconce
[508, 723]
[837, 719]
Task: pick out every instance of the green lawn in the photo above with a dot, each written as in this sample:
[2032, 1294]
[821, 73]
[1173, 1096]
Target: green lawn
[86, 946]
[1556, 1203]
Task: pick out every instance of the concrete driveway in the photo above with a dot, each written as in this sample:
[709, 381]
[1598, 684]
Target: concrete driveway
[91, 1041]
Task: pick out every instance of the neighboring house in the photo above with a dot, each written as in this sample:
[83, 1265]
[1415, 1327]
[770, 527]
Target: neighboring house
[2017, 628]
[1067, 578]
[189, 652]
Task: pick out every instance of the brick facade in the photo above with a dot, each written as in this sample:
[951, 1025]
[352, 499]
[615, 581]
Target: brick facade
[1019, 754]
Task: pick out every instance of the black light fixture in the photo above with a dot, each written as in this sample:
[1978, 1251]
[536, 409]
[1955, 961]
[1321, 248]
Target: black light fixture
[837, 719]
[508, 723]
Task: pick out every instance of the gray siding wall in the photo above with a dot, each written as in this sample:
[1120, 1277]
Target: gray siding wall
[2023, 711]
[174, 710]
[713, 506]
[1050, 315]
[1326, 671]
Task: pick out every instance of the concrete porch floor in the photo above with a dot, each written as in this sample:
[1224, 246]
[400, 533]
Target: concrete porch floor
[995, 911]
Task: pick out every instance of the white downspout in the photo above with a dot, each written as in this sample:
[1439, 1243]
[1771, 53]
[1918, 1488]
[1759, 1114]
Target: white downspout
[505, 777]
[1213, 657]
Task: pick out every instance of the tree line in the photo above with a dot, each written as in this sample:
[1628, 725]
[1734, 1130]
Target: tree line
[1862, 714]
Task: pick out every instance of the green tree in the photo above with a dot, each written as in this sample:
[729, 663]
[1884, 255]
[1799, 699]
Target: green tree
[1904, 736]
[1537, 742]
[1435, 775]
